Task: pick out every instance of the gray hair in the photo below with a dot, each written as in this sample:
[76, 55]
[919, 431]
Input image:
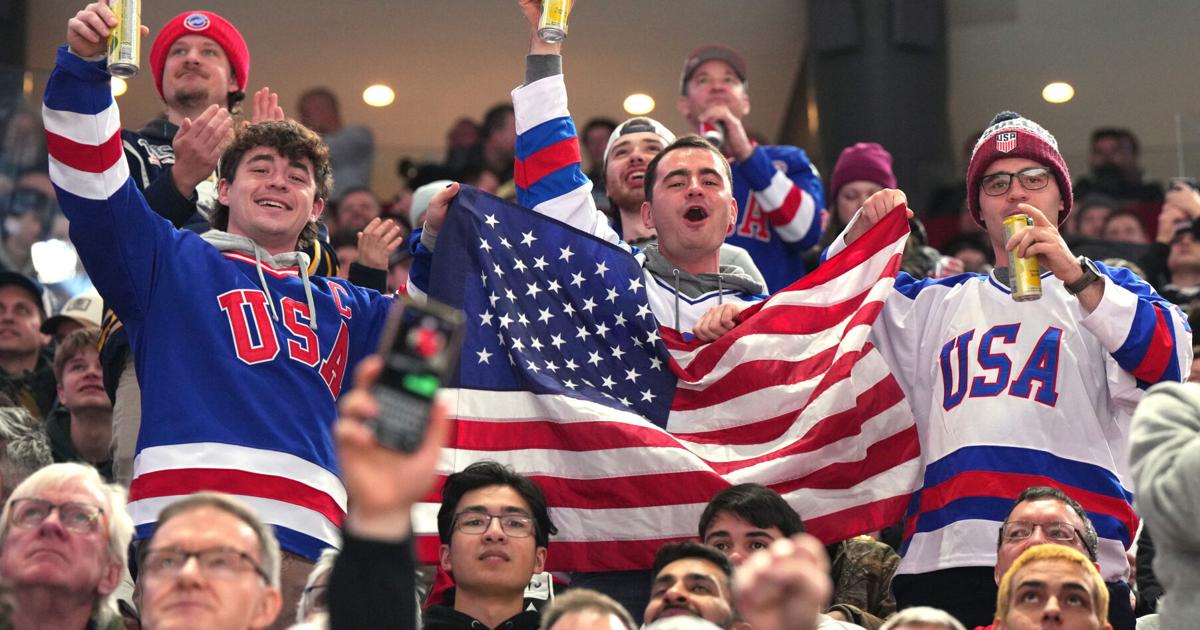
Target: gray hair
[582, 599]
[120, 525]
[324, 565]
[924, 617]
[24, 448]
[267, 543]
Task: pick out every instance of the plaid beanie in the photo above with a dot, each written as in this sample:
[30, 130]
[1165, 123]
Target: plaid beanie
[865, 161]
[209, 25]
[1011, 136]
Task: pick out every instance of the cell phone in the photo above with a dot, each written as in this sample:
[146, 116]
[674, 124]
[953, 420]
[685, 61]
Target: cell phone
[419, 347]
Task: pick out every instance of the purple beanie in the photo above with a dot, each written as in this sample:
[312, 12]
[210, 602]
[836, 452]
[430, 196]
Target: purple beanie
[863, 161]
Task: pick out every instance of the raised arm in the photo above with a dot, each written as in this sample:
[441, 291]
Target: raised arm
[548, 171]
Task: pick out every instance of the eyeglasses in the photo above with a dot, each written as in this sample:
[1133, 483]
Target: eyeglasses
[1033, 178]
[515, 525]
[1013, 531]
[217, 562]
[80, 518]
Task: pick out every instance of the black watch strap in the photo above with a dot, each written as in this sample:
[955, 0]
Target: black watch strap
[1090, 275]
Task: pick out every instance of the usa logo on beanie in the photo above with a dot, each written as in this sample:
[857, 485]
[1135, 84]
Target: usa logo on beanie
[196, 22]
[1006, 141]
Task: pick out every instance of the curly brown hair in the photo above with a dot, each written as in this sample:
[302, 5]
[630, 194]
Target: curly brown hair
[293, 141]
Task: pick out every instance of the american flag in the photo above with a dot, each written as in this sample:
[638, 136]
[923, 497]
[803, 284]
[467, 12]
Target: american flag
[630, 429]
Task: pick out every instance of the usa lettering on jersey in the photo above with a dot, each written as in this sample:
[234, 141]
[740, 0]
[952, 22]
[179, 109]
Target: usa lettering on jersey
[984, 368]
[256, 340]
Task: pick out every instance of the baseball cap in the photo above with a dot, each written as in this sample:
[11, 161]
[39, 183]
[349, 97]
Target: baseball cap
[87, 308]
[709, 52]
[33, 287]
[637, 124]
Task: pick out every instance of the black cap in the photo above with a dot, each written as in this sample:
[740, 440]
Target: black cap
[29, 284]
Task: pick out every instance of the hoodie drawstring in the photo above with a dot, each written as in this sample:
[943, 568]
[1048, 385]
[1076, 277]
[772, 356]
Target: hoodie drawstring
[720, 290]
[312, 308]
[267, 290]
[675, 272]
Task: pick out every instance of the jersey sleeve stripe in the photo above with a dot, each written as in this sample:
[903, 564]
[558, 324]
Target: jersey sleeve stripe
[538, 102]
[89, 158]
[1153, 339]
[93, 186]
[86, 129]
[552, 186]
[545, 161]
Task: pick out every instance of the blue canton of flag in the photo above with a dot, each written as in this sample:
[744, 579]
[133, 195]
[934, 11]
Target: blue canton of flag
[549, 309]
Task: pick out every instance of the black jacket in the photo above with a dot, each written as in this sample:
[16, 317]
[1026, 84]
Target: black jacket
[446, 618]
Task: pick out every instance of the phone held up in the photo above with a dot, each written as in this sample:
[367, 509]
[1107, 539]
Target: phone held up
[419, 347]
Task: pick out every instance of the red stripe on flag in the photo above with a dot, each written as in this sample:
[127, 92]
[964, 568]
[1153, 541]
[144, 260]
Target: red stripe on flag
[88, 158]
[482, 435]
[827, 430]
[188, 480]
[614, 555]
[532, 169]
[869, 402]
[754, 375]
[879, 457]
[1158, 352]
[863, 518]
[631, 491]
[786, 211]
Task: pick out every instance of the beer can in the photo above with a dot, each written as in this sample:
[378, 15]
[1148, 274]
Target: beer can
[1024, 277]
[552, 28]
[125, 40]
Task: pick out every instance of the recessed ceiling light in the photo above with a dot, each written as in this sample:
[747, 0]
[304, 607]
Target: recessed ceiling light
[639, 104]
[1058, 92]
[378, 95]
[119, 86]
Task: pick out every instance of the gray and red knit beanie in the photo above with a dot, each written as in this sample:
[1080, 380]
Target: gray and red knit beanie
[1012, 136]
[864, 161]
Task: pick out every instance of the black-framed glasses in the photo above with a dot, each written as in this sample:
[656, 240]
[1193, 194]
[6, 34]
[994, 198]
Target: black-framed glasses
[1032, 178]
[80, 518]
[514, 524]
[215, 562]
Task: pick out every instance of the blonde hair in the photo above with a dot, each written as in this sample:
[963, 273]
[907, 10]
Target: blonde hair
[1062, 553]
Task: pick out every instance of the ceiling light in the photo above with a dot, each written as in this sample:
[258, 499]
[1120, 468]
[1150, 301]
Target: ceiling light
[1058, 92]
[119, 86]
[378, 95]
[639, 104]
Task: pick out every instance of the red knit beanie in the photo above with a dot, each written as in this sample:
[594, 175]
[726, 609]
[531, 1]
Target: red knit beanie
[209, 25]
[1011, 136]
[864, 161]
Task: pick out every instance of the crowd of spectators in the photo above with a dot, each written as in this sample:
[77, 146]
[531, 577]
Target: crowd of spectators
[173, 453]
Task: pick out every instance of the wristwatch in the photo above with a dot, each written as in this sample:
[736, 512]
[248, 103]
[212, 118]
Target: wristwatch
[1091, 273]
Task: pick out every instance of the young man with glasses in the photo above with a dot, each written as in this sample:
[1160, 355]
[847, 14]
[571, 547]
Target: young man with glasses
[1005, 390]
[63, 540]
[494, 528]
[210, 564]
